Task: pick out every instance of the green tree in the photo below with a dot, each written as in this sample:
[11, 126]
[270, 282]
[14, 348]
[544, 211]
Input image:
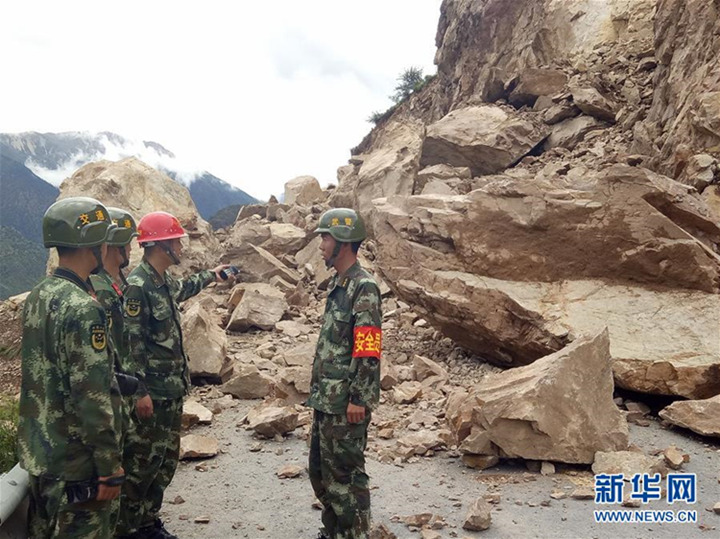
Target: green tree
[409, 81]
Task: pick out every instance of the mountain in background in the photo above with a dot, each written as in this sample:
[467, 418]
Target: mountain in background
[32, 165]
[56, 156]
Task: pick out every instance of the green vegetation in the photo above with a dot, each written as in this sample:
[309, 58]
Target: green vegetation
[22, 262]
[410, 81]
[8, 433]
[225, 217]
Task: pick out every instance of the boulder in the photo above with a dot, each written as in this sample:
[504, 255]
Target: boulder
[193, 413]
[486, 138]
[516, 269]
[437, 187]
[594, 104]
[303, 190]
[559, 112]
[292, 329]
[701, 416]
[560, 408]
[293, 384]
[422, 441]
[137, 187]
[194, 446]
[478, 517]
[570, 133]
[425, 368]
[535, 82]
[388, 169]
[310, 254]
[269, 421]
[248, 210]
[258, 265]
[407, 392]
[627, 463]
[248, 383]
[260, 305]
[301, 354]
[205, 345]
[441, 174]
[284, 238]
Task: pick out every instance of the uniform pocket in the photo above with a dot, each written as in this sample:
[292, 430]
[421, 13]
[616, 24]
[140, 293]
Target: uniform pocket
[341, 328]
[161, 321]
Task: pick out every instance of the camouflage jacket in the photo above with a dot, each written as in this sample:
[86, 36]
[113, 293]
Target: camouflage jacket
[111, 298]
[68, 428]
[152, 317]
[346, 367]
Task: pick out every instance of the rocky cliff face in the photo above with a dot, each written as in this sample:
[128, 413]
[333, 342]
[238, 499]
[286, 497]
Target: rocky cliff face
[559, 176]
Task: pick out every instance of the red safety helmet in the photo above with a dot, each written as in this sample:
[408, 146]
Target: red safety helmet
[158, 226]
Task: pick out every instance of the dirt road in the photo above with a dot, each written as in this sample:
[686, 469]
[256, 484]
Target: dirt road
[242, 496]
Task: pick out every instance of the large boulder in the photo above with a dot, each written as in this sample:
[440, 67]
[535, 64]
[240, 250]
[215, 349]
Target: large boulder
[534, 82]
[486, 138]
[390, 169]
[257, 264]
[560, 408]
[248, 383]
[259, 305]
[517, 269]
[137, 187]
[310, 254]
[303, 190]
[701, 416]
[206, 346]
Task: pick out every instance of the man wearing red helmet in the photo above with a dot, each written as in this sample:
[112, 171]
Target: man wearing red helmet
[160, 364]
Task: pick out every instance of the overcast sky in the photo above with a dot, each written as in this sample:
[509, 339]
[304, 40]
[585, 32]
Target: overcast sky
[254, 92]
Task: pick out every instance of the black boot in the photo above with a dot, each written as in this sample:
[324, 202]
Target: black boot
[158, 531]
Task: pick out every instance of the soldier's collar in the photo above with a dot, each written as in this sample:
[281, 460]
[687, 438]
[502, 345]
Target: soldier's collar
[155, 277]
[343, 280]
[70, 275]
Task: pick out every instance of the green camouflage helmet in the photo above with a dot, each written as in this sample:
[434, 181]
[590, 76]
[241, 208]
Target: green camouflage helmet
[126, 228]
[343, 224]
[76, 222]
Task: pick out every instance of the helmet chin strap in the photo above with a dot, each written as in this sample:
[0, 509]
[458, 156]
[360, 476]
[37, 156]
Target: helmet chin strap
[98, 257]
[125, 263]
[336, 251]
[166, 247]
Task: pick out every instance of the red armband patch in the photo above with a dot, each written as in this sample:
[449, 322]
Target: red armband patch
[367, 342]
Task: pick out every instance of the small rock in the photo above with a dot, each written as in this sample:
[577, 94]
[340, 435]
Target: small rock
[202, 520]
[480, 462]
[558, 495]
[583, 493]
[547, 468]
[674, 458]
[380, 531]
[478, 517]
[178, 500]
[194, 446]
[289, 471]
[716, 508]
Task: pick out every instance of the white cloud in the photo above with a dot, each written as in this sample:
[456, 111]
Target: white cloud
[254, 92]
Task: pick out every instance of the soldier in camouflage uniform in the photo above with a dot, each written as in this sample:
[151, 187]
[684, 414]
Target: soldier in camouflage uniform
[107, 282]
[345, 383]
[68, 434]
[158, 360]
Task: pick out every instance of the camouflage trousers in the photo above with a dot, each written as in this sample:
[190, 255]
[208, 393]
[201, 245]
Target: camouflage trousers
[150, 458]
[337, 475]
[50, 516]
